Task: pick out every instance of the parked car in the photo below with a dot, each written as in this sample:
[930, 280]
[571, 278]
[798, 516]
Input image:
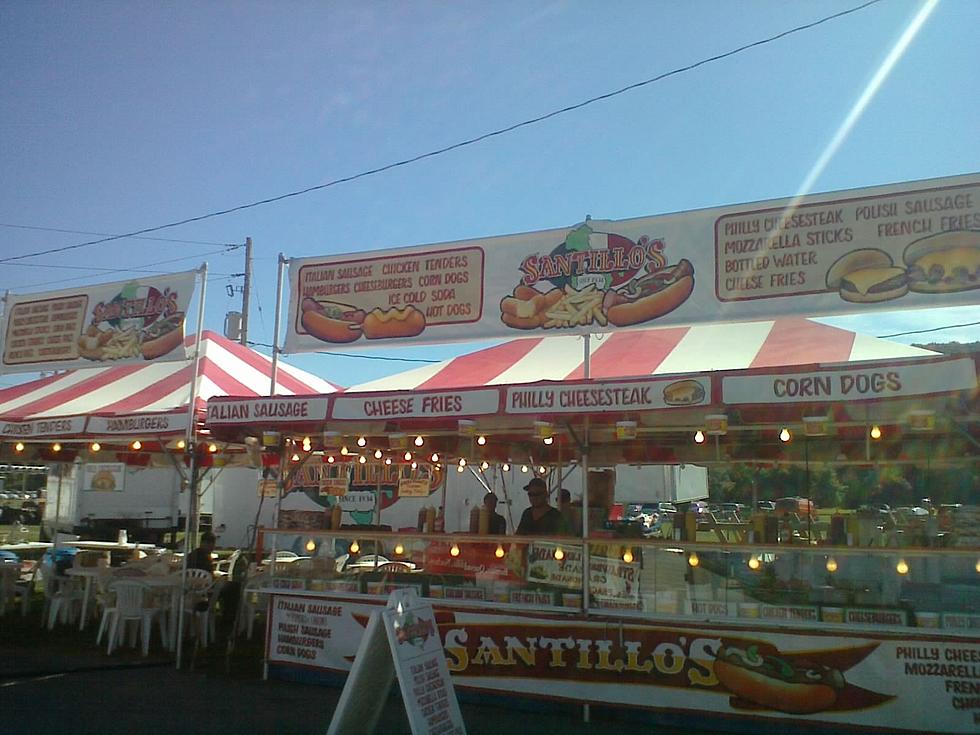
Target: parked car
[800, 506]
[766, 506]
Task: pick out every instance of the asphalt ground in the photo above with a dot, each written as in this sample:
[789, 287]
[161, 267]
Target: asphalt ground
[59, 682]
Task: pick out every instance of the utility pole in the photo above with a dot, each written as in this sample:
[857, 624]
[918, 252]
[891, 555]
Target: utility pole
[245, 289]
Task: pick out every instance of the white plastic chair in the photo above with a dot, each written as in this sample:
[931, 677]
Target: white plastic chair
[131, 607]
[248, 605]
[63, 599]
[225, 567]
[198, 583]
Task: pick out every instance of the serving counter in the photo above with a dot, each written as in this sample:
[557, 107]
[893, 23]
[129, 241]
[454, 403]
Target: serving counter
[859, 637]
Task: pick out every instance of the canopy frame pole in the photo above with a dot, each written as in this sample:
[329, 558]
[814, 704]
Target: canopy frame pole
[587, 374]
[192, 520]
[275, 330]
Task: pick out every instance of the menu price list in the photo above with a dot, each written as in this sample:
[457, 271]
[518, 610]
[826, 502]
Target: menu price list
[46, 330]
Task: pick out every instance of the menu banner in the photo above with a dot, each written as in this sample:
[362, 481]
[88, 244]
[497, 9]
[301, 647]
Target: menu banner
[608, 396]
[900, 246]
[275, 409]
[852, 384]
[138, 424]
[93, 326]
[39, 428]
[417, 405]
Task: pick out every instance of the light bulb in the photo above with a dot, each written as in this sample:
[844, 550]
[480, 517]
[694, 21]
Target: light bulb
[419, 441]
[434, 457]
[481, 440]
[499, 553]
[19, 447]
[549, 440]
[484, 465]
[387, 460]
[628, 556]
[977, 567]
[415, 465]
[362, 459]
[136, 445]
[902, 567]
[311, 545]
[693, 559]
[408, 456]
[295, 458]
[462, 461]
[399, 549]
[754, 562]
[344, 451]
[524, 468]
[355, 547]
[307, 444]
[95, 446]
[699, 437]
[505, 467]
[454, 550]
[784, 435]
[831, 564]
[180, 445]
[330, 459]
[212, 448]
[56, 447]
[460, 468]
[361, 441]
[377, 454]
[559, 554]
[543, 470]
[876, 432]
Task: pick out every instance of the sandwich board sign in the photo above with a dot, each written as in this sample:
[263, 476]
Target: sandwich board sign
[403, 640]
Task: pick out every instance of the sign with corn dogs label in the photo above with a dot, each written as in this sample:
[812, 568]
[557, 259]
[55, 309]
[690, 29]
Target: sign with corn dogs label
[813, 255]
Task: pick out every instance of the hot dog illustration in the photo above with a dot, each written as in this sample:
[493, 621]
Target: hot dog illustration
[330, 321]
[650, 296]
[406, 321]
[526, 309]
[162, 336]
[795, 687]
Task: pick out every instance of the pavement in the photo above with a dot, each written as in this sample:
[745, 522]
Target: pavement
[59, 682]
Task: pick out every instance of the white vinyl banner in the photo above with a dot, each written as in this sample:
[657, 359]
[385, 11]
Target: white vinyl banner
[97, 326]
[901, 246]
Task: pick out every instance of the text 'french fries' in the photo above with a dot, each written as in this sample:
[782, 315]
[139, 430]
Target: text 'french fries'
[576, 308]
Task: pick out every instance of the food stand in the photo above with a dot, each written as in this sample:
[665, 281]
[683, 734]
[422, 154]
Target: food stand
[776, 618]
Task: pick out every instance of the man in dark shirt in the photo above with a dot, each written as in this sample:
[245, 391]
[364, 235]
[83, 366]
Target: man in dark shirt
[541, 519]
[200, 558]
[498, 524]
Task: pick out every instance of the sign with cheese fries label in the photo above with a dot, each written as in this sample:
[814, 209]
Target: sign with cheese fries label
[912, 245]
[760, 678]
[96, 326]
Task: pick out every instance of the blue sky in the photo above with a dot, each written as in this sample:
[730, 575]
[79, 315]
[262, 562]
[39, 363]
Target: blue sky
[121, 116]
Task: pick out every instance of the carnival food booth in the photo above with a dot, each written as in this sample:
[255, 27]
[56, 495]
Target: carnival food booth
[761, 617]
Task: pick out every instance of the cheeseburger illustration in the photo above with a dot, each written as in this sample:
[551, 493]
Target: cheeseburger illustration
[867, 275]
[944, 263]
[103, 480]
[683, 393]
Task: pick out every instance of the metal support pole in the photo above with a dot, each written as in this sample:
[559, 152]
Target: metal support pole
[275, 332]
[246, 289]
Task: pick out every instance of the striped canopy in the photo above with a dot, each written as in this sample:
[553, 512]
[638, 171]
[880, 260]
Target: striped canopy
[671, 350]
[226, 368]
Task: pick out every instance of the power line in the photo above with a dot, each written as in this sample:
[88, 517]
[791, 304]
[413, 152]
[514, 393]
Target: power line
[933, 329]
[105, 234]
[354, 354]
[461, 144]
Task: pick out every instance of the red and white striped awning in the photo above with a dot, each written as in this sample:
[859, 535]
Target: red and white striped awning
[650, 352]
[226, 368]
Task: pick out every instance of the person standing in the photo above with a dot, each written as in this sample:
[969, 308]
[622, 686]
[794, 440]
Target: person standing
[541, 519]
[498, 524]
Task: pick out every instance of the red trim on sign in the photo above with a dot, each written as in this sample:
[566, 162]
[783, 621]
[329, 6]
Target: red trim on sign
[623, 354]
[800, 341]
[479, 368]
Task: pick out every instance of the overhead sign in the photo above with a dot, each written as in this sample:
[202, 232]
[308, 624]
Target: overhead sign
[138, 424]
[912, 245]
[852, 384]
[40, 428]
[272, 410]
[417, 405]
[94, 326]
[608, 396]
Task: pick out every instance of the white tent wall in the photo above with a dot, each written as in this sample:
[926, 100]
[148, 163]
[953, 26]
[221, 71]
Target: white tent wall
[233, 499]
